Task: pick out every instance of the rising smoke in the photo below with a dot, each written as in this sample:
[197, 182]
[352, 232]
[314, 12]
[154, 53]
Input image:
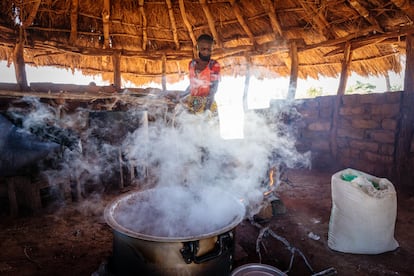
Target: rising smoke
[180, 150]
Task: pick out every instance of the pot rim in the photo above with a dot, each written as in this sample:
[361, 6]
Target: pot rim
[110, 220]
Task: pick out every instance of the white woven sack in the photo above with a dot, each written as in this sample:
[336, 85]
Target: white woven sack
[362, 217]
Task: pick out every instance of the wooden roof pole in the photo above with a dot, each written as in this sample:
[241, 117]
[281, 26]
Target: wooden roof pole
[173, 24]
[402, 167]
[116, 63]
[317, 17]
[188, 26]
[164, 72]
[74, 21]
[144, 25]
[406, 7]
[365, 14]
[18, 61]
[357, 44]
[294, 69]
[32, 14]
[18, 51]
[106, 13]
[270, 9]
[241, 20]
[341, 91]
[210, 21]
[409, 67]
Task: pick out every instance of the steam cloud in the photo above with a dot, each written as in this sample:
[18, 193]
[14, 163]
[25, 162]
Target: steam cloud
[182, 150]
[190, 152]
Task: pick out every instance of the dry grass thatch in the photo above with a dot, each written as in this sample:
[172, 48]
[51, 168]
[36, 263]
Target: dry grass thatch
[148, 39]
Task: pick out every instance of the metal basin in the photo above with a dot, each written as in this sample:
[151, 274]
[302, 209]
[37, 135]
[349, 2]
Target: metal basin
[174, 231]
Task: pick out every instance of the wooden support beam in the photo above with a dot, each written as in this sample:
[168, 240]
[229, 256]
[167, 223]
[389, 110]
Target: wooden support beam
[315, 16]
[74, 21]
[132, 98]
[345, 69]
[144, 25]
[106, 14]
[246, 83]
[11, 190]
[116, 63]
[164, 73]
[409, 67]
[173, 24]
[242, 21]
[270, 9]
[18, 61]
[403, 165]
[365, 14]
[188, 26]
[210, 20]
[29, 20]
[357, 44]
[341, 91]
[294, 69]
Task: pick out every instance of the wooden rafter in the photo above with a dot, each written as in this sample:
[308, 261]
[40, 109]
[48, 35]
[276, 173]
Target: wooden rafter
[29, 20]
[144, 25]
[362, 36]
[106, 13]
[74, 21]
[316, 17]
[173, 24]
[210, 21]
[356, 45]
[406, 6]
[365, 14]
[187, 24]
[241, 20]
[270, 9]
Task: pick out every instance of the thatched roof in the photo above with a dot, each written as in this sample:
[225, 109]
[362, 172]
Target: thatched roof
[154, 38]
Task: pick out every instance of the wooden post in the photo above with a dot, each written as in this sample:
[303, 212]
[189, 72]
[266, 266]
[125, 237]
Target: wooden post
[121, 171]
[144, 24]
[145, 126]
[116, 61]
[74, 21]
[164, 72]
[106, 13]
[19, 65]
[409, 67]
[341, 91]
[11, 189]
[403, 168]
[246, 84]
[294, 68]
[387, 82]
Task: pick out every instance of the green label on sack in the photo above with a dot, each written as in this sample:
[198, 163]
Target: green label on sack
[349, 177]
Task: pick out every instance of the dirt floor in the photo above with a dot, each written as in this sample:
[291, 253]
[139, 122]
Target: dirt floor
[75, 240]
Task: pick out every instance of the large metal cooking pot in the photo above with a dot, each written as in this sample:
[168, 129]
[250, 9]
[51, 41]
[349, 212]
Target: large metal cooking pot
[173, 231]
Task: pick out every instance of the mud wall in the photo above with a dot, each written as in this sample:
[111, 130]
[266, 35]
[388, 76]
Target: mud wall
[366, 136]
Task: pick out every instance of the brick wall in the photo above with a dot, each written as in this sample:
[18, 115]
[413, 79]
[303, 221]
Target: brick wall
[367, 132]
